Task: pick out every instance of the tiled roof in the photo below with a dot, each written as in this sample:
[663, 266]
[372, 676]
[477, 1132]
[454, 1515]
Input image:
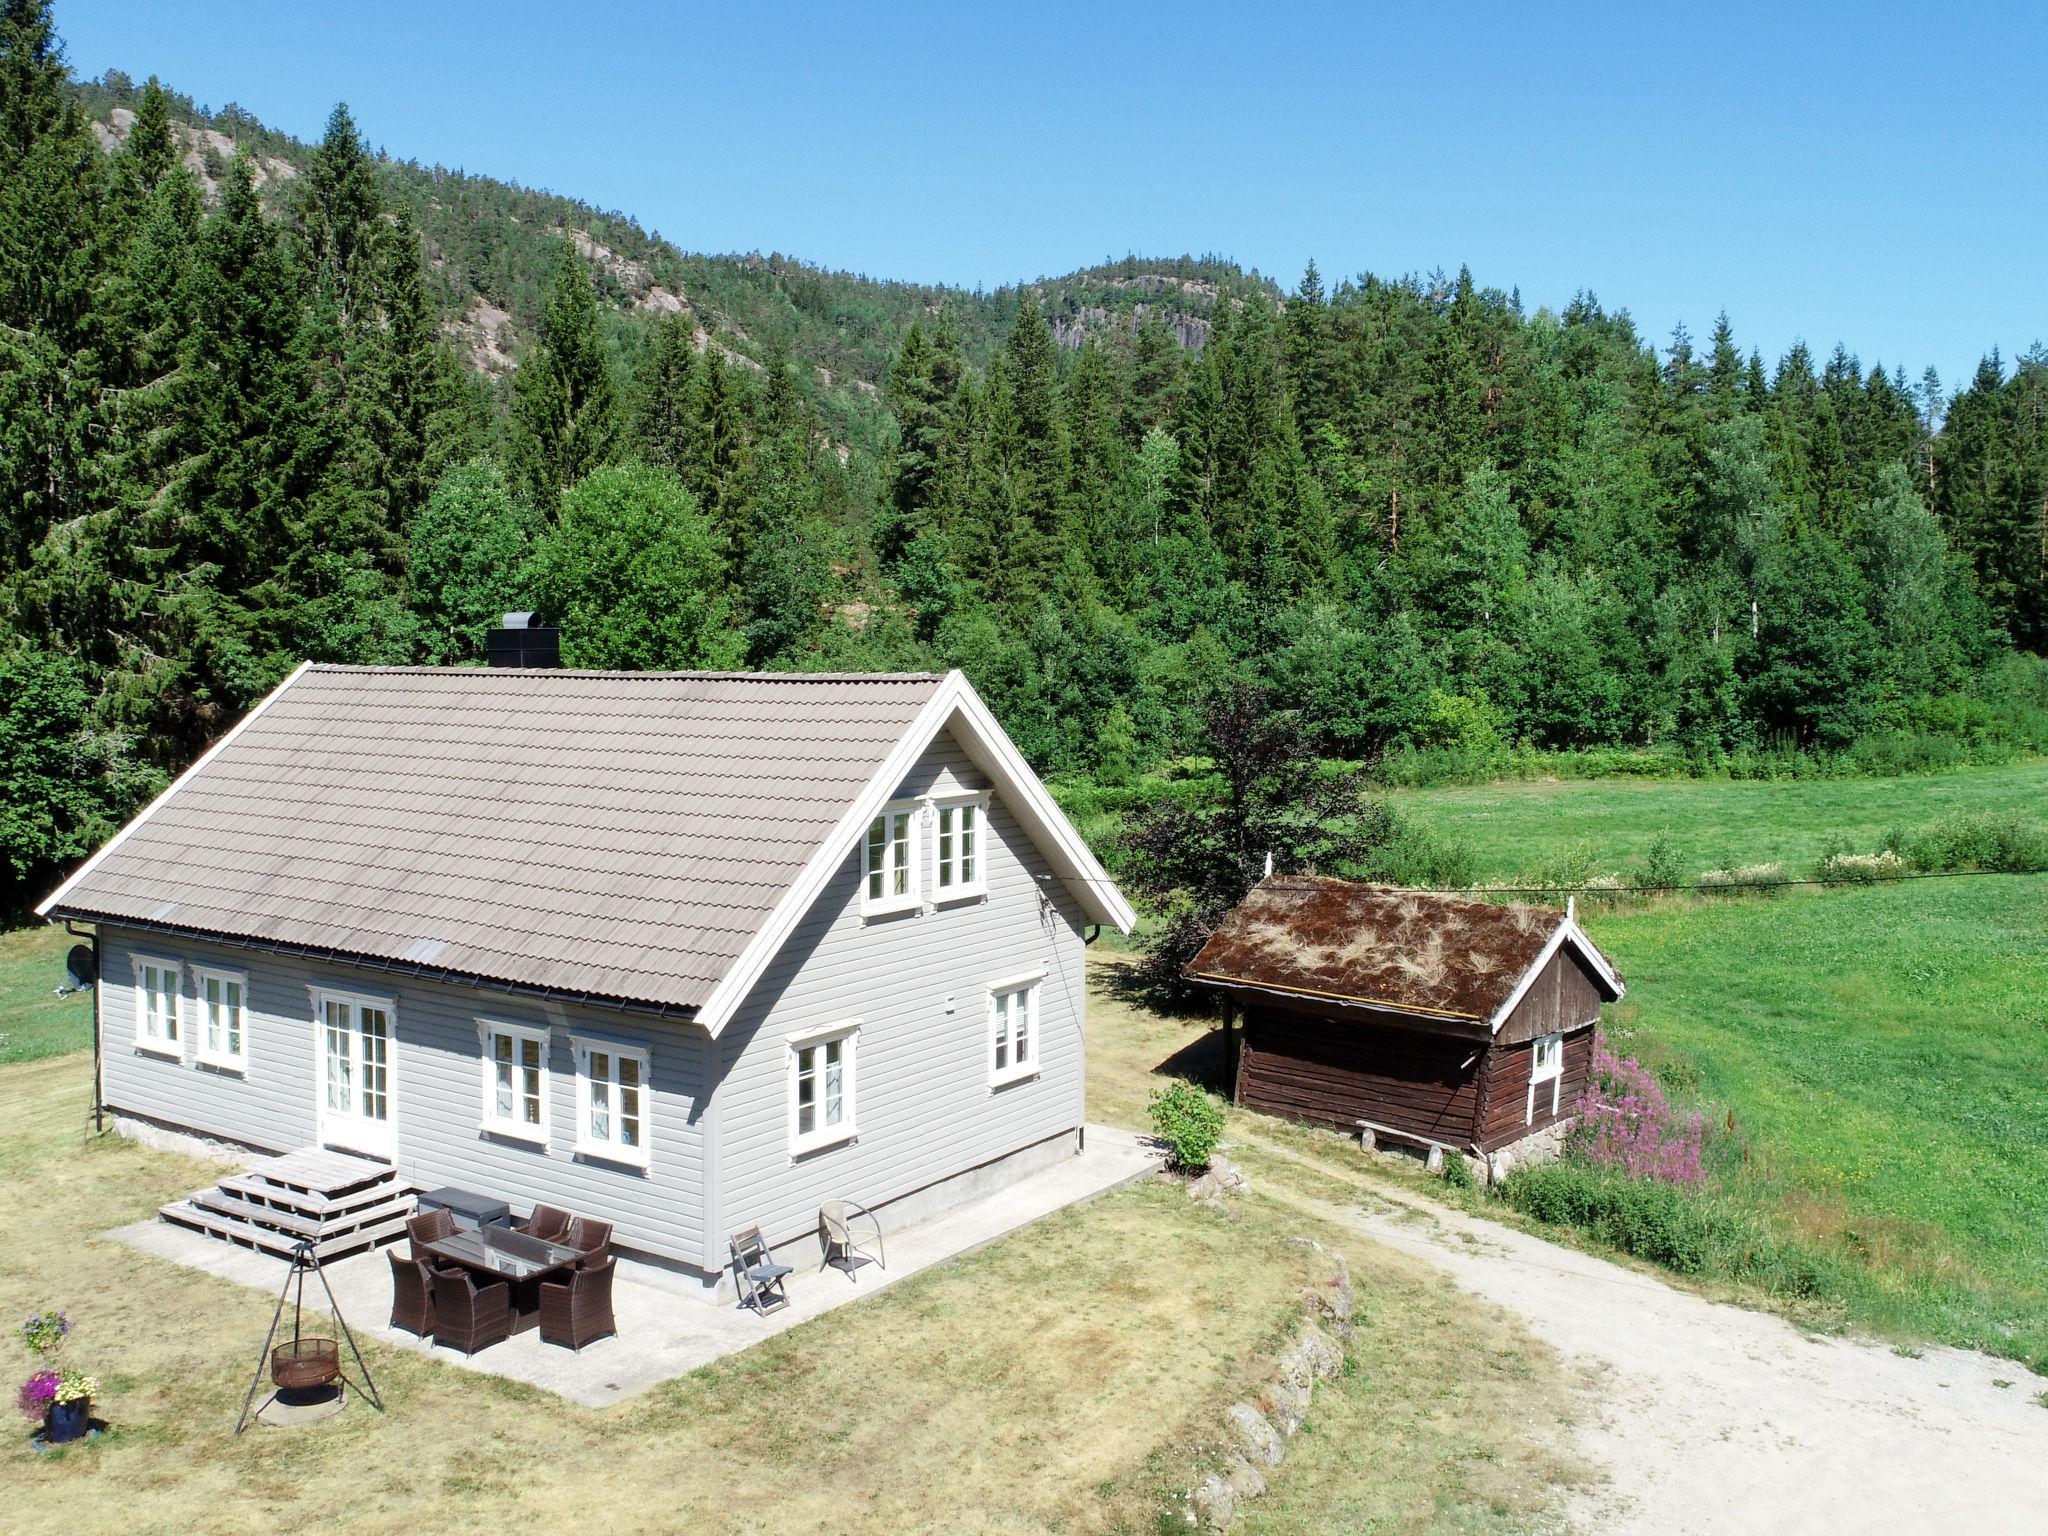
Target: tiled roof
[614, 834]
[1411, 951]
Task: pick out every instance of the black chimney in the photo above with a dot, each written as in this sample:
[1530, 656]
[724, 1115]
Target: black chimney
[524, 641]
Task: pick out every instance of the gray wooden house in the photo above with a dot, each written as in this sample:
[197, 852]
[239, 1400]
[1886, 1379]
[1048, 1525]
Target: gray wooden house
[687, 952]
[1436, 1020]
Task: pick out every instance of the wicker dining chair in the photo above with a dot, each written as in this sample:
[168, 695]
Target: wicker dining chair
[591, 1239]
[577, 1309]
[547, 1221]
[468, 1316]
[428, 1227]
[412, 1294]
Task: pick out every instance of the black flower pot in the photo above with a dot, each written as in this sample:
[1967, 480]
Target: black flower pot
[68, 1421]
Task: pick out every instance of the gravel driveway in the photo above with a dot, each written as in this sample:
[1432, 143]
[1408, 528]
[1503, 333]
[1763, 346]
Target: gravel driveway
[1707, 1417]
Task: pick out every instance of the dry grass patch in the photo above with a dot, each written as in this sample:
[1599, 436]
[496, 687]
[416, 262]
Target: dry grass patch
[1003, 1392]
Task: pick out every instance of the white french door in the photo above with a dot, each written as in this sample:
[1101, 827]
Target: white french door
[355, 1074]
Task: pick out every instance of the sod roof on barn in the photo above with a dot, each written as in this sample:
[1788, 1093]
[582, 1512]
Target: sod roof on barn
[1415, 952]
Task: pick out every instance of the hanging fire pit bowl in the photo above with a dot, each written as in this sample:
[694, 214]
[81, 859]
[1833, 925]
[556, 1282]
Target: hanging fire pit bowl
[305, 1365]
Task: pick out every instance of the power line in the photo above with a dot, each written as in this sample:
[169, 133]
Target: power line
[1566, 889]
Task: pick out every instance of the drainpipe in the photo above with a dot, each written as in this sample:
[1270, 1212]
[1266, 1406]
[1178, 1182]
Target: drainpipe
[99, 1123]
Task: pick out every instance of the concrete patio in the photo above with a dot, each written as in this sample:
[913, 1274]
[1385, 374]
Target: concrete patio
[661, 1334]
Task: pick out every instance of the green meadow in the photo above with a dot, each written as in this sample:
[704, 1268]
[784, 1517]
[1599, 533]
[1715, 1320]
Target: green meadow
[1607, 826]
[1874, 1058]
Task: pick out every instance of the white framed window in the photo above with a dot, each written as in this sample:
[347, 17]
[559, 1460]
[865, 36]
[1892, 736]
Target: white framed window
[515, 1072]
[958, 837]
[1546, 1071]
[821, 1087]
[156, 1007]
[1013, 1028]
[223, 998]
[611, 1100]
[889, 861]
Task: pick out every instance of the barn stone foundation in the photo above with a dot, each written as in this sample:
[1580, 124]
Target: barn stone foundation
[1544, 1146]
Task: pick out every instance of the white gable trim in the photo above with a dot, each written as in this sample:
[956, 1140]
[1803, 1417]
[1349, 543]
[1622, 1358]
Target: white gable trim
[955, 703]
[56, 897]
[1570, 932]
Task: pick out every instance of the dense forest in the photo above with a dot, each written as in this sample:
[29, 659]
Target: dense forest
[249, 415]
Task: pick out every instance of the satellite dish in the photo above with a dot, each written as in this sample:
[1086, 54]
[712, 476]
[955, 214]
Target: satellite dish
[81, 967]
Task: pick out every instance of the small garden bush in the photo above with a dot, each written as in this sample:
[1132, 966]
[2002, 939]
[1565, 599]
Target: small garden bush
[1189, 1121]
[1859, 868]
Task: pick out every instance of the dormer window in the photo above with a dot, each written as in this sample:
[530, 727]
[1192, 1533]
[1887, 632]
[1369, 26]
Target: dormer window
[890, 861]
[957, 839]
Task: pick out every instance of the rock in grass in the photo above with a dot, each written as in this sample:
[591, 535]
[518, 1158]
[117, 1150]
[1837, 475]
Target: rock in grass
[1256, 1434]
[1215, 1502]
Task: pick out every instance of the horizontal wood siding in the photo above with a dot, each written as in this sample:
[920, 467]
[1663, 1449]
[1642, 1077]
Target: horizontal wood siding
[1506, 1069]
[918, 982]
[1337, 1071]
[437, 1081]
[1563, 997]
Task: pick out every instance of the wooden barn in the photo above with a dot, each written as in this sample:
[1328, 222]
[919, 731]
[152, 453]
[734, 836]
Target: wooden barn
[1432, 1020]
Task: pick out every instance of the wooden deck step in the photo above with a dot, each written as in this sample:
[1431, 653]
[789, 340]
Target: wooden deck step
[269, 1240]
[254, 1185]
[393, 1203]
[337, 1202]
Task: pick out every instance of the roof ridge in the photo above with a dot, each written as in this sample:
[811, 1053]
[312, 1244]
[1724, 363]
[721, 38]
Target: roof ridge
[590, 672]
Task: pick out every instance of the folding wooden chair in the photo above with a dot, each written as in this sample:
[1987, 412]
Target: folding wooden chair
[755, 1274]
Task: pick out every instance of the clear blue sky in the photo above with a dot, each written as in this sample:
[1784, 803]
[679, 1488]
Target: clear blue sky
[1873, 173]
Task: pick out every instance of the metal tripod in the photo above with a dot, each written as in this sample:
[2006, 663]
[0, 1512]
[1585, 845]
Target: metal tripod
[304, 1262]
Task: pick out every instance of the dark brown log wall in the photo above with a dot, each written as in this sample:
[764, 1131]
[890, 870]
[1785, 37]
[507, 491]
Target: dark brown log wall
[1504, 1092]
[1338, 1071]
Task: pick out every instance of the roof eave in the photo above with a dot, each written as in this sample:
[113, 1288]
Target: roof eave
[1442, 1019]
[623, 1002]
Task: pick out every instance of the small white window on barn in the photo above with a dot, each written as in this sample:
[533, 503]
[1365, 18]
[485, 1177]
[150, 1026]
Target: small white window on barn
[1546, 1070]
[821, 1087]
[890, 866]
[156, 1007]
[1013, 1029]
[958, 863]
[223, 1018]
[611, 1101]
[515, 1066]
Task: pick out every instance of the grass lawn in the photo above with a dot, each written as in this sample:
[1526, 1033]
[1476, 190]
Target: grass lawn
[1607, 825]
[1884, 1051]
[1070, 1378]
[33, 1022]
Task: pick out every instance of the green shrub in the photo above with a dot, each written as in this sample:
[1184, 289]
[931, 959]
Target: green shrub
[1696, 1233]
[1661, 870]
[1458, 1171]
[1189, 1121]
[1976, 840]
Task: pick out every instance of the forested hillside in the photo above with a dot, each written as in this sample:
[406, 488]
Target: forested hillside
[261, 402]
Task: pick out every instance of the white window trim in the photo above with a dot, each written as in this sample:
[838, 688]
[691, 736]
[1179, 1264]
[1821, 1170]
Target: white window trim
[1033, 982]
[611, 1151]
[174, 1049]
[978, 886]
[515, 1128]
[226, 1061]
[1553, 1075]
[848, 1031]
[886, 905]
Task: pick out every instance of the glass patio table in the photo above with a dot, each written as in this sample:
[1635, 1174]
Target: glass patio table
[516, 1257]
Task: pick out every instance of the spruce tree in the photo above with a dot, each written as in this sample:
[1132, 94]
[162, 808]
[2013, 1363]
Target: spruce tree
[565, 413]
